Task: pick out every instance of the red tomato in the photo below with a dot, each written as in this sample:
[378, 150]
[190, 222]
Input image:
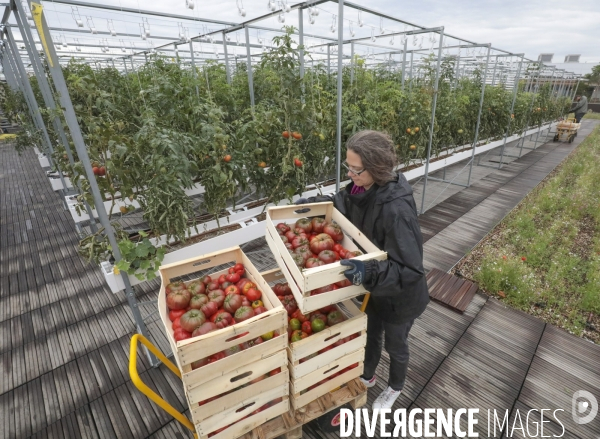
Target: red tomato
[175, 314]
[253, 294]
[233, 278]
[238, 266]
[327, 256]
[181, 334]
[246, 287]
[176, 324]
[337, 247]
[232, 289]
[298, 315]
[306, 327]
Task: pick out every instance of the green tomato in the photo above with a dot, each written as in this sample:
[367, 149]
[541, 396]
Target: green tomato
[317, 325]
[295, 324]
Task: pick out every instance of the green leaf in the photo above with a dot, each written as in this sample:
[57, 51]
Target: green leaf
[123, 265]
[141, 251]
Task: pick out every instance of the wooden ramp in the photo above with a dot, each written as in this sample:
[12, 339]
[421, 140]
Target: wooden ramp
[450, 290]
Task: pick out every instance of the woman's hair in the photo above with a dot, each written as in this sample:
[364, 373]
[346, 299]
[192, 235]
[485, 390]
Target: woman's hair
[377, 152]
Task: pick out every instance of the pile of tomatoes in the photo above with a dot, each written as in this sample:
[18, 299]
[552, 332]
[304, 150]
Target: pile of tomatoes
[206, 305]
[301, 326]
[315, 242]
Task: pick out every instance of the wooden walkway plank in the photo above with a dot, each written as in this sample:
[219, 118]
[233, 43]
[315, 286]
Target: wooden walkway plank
[104, 426]
[85, 422]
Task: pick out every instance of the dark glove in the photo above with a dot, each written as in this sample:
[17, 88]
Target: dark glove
[303, 201]
[356, 272]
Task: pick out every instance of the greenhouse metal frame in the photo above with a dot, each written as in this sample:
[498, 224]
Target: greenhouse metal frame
[21, 57]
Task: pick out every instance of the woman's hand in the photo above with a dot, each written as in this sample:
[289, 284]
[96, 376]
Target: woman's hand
[303, 201]
[356, 272]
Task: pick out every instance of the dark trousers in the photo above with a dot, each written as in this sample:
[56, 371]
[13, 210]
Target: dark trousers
[396, 345]
[578, 117]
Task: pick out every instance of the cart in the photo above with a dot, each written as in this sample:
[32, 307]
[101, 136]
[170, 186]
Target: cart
[324, 410]
[289, 425]
[566, 130]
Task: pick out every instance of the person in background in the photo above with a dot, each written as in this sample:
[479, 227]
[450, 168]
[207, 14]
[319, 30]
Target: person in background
[380, 203]
[581, 107]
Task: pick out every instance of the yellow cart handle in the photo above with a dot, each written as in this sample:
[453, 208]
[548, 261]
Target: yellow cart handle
[364, 302]
[135, 378]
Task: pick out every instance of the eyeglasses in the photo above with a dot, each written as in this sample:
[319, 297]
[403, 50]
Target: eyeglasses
[357, 173]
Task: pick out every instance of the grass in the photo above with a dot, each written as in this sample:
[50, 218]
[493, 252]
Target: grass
[544, 257]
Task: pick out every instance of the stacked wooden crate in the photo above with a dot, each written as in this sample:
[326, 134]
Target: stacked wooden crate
[315, 367]
[231, 396]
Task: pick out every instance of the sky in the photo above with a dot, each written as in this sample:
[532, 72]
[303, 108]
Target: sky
[528, 26]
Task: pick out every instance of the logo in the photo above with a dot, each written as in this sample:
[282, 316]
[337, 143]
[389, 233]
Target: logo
[582, 400]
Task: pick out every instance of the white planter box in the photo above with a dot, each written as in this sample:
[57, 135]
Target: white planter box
[44, 162]
[455, 158]
[115, 282]
[57, 183]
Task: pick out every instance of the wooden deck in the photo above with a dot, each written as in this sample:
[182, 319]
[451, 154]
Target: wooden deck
[450, 290]
[64, 337]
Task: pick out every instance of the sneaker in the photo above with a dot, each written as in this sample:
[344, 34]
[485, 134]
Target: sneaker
[386, 399]
[369, 383]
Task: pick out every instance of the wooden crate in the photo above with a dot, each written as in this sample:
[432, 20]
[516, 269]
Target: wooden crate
[312, 371]
[302, 281]
[236, 370]
[304, 375]
[289, 425]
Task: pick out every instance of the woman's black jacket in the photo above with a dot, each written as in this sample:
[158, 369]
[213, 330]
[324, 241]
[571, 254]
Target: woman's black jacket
[387, 215]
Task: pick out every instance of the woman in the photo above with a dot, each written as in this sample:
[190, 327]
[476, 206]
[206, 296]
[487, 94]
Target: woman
[380, 203]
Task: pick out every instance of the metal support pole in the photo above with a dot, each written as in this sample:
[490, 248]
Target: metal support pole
[529, 114]
[560, 86]
[227, 71]
[338, 156]
[572, 96]
[352, 62]
[483, 81]
[328, 61]
[28, 92]
[404, 60]
[432, 123]
[132, 67]
[301, 40]
[410, 75]
[512, 109]
[540, 126]
[194, 73]
[18, 79]
[44, 85]
[8, 73]
[34, 111]
[145, 58]
[457, 69]
[249, 63]
[77, 137]
[558, 81]
[494, 73]
[125, 65]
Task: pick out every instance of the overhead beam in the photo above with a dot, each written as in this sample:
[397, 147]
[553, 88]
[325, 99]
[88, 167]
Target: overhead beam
[140, 11]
